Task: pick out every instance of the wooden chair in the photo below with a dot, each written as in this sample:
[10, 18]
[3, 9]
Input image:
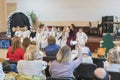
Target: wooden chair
[85, 71]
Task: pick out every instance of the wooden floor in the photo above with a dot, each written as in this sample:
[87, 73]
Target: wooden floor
[3, 53]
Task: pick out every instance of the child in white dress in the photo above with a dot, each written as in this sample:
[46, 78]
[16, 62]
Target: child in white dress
[33, 35]
[44, 36]
[26, 32]
[38, 37]
[18, 32]
[81, 37]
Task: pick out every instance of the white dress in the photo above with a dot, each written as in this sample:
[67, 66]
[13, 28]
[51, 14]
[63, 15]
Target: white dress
[19, 33]
[44, 39]
[26, 34]
[58, 35]
[38, 39]
[31, 68]
[112, 66]
[81, 38]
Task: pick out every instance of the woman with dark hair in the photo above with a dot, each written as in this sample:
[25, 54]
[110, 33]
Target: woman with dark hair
[26, 42]
[72, 36]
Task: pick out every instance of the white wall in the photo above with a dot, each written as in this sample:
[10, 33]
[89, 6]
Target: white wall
[70, 10]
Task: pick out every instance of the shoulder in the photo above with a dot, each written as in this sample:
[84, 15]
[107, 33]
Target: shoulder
[20, 61]
[10, 48]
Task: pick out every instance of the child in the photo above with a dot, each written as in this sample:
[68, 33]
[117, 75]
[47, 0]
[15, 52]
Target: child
[26, 32]
[81, 37]
[18, 32]
[33, 35]
[38, 37]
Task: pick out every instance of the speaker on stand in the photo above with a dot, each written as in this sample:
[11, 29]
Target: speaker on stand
[107, 24]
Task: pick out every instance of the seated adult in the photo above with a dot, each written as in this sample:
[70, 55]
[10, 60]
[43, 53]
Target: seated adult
[2, 74]
[15, 52]
[52, 48]
[113, 60]
[101, 74]
[26, 42]
[85, 48]
[63, 66]
[32, 65]
[85, 57]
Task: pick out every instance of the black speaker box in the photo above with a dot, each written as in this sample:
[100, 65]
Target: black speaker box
[107, 27]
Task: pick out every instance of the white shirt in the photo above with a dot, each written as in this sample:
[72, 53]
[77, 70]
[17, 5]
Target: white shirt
[38, 38]
[18, 33]
[87, 60]
[26, 34]
[112, 66]
[34, 67]
[2, 74]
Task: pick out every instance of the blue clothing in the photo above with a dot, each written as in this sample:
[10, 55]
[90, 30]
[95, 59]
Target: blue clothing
[52, 49]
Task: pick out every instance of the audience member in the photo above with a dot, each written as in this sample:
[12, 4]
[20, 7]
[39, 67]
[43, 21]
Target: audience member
[101, 74]
[85, 48]
[26, 42]
[71, 37]
[86, 58]
[63, 66]
[113, 60]
[32, 65]
[2, 74]
[52, 48]
[15, 51]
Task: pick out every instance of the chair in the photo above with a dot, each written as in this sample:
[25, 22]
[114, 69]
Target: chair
[62, 78]
[99, 61]
[49, 58]
[114, 75]
[85, 71]
[94, 27]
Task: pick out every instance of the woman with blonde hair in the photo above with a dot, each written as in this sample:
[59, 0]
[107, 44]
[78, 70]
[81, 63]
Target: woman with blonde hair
[113, 60]
[63, 66]
[15, 52]
[32, 65]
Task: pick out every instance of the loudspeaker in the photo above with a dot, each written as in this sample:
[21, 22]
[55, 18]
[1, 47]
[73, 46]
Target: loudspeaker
[107, 27]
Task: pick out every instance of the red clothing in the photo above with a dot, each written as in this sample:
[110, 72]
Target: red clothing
[17, 55]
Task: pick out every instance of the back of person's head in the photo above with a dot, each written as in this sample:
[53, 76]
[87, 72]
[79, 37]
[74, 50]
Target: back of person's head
[16, 43]
[26, 42]
[31, 52]
[101, 74]
[64, 54]
[33, 42]
[114, 56]
[51, 40]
